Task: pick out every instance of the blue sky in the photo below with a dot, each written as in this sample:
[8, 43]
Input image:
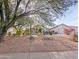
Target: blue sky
[70, 18]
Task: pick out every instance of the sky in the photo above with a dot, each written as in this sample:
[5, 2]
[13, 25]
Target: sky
[70, 18]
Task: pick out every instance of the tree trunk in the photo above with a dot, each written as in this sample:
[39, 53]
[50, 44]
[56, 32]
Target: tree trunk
[30, 31]
[3, 31]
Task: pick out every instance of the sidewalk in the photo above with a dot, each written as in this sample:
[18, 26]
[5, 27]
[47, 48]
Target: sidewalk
[41, 55]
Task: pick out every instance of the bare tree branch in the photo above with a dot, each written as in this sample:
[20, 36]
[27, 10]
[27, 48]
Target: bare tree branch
[27, 5]
[30, 13]
[14, 16]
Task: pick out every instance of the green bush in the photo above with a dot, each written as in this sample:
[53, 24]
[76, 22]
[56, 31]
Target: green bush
[27, 32]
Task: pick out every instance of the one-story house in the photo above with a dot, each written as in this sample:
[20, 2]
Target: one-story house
[63, 29]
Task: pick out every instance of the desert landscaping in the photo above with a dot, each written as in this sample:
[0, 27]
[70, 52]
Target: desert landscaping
[38, 29]
[45, 43]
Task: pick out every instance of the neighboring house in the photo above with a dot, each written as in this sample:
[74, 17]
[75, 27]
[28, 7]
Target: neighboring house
[75, 29]
[63, 29]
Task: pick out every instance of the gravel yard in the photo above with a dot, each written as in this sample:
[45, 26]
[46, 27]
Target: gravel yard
[47, 43]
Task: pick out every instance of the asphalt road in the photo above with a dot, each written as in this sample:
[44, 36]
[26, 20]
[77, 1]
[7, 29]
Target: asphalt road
[41, 55]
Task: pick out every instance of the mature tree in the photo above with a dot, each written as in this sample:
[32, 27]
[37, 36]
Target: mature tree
[11, 10]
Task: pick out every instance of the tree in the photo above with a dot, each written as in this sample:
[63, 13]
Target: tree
[11, 10]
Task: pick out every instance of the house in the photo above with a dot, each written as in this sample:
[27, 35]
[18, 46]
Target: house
[63, 29]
